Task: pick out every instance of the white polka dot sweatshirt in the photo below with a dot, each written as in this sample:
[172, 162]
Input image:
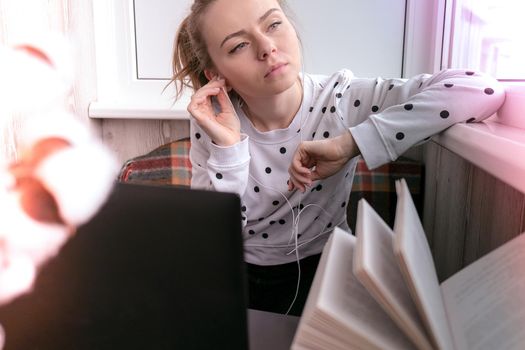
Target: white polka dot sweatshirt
[385, 116]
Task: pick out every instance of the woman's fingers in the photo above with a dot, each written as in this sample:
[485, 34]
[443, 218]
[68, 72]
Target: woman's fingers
[200, 105]
[218, 120]
[299, 182]
[299, 178]
[224, 101]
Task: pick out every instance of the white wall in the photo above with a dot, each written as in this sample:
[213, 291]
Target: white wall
[364, 36]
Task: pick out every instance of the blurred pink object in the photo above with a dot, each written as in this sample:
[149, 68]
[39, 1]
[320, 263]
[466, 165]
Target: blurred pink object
[64, 173]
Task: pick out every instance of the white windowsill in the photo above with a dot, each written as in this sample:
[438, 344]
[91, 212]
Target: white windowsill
[140, 108]
[113, 111]
[494, 147]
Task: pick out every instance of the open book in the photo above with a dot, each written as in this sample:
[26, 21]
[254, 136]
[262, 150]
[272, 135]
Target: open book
[381, 291]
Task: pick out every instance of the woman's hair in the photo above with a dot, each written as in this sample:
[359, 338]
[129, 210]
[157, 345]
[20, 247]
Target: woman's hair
[190, 55]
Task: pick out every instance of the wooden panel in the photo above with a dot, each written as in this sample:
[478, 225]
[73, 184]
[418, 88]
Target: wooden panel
[452, 176]
[494, 217]
[431, 155]
[468, 212]
[131, 138]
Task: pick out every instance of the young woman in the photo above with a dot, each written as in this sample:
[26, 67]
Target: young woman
[253, 107]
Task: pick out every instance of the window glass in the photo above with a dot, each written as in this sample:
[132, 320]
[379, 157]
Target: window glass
[489, 35]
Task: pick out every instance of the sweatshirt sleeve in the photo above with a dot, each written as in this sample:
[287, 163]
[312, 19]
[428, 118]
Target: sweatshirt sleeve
[387, 117]
[223, 169]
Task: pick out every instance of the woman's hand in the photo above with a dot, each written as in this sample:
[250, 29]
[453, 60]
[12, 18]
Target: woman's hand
[314, 160]
[223, 128]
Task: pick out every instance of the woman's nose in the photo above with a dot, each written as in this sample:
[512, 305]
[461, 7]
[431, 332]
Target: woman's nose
[266, 47]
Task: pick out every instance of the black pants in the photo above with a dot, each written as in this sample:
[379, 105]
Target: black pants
[272, 288]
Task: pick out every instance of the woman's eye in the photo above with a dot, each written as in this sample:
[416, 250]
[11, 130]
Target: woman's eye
[238, 47]
[274, 25]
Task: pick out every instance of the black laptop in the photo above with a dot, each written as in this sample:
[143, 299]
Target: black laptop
[157, 268]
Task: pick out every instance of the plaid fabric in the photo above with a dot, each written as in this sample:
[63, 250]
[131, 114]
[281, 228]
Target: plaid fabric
[167, 164]
[378, 188]
[170, 164]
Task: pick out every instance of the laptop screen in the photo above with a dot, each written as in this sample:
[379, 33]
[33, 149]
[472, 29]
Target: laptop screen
[157, 268]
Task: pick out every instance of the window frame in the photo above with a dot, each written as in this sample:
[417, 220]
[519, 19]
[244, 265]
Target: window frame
[120, 93]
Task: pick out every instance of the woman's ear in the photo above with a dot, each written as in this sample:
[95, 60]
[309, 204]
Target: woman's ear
[210, 74]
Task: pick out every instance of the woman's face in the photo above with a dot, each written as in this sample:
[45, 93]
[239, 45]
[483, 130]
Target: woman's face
[253, 46]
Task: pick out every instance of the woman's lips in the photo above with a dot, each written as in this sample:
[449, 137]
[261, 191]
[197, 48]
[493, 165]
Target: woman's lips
[275, 69]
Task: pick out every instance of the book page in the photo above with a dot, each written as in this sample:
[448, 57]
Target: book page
[375, 266]
[417, 265]
[486, 300]
[342, 307]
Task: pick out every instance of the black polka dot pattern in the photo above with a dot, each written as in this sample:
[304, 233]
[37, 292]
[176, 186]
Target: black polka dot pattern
[337, 83]
[197, 135]
[412, 108]
[218, 176]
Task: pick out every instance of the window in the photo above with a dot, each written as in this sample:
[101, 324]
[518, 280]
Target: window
[123, 90]
[488, 35]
